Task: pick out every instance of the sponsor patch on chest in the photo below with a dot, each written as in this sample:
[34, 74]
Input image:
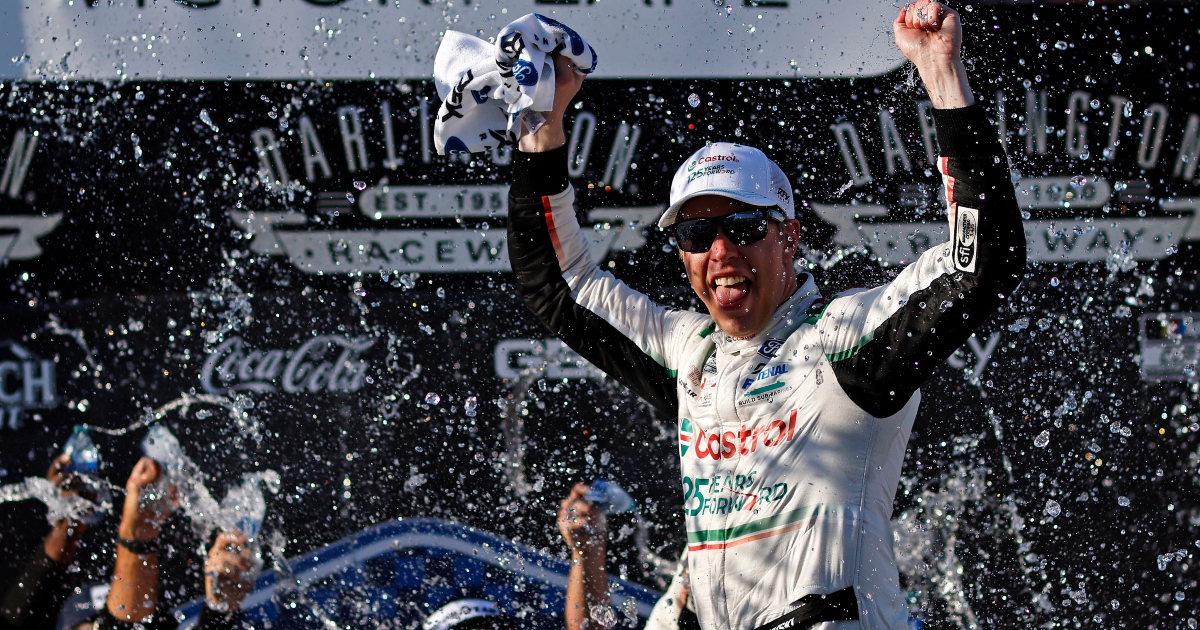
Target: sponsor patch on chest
[764, 374]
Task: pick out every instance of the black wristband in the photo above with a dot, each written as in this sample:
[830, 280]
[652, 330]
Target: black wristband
[140, 547]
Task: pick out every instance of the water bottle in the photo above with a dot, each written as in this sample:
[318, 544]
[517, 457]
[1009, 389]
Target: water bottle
[610, 498]
[244, 507]
[85, 457]
[82, 475]
[161, 446]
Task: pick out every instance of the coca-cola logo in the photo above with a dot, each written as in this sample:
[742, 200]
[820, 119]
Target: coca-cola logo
[327, 363]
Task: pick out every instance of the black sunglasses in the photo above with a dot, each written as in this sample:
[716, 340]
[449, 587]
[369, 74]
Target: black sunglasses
[696, 236]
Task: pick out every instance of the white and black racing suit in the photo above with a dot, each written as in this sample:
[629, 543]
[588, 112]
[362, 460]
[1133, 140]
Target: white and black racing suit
[791, 442]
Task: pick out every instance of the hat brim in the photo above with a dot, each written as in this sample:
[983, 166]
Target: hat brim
[669, 217]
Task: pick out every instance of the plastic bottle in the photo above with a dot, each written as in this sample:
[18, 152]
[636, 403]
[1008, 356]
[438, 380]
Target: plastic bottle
[244, 507]
[610, 498]
[173, 467]
[85, 457]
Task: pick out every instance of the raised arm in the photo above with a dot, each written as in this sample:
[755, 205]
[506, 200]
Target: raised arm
[585, 531]
[34, 598]
[134, 592]
[883, 343]
[614, 327]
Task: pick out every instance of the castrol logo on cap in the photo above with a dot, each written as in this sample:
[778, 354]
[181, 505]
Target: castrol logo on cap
[711, 158]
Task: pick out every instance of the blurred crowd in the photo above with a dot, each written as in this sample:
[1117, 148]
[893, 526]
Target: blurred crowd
[35, 597]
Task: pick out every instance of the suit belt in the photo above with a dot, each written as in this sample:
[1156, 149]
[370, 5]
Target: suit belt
[814, 609]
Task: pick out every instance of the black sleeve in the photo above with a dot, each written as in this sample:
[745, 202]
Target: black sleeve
[213, 620]
[540, 281]
[938, 311]
[162, 620]
[34, 599]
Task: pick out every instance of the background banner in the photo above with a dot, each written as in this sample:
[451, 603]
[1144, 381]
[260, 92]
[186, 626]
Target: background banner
[293, 246]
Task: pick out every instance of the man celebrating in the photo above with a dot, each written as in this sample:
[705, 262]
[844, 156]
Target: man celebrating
[794, 409]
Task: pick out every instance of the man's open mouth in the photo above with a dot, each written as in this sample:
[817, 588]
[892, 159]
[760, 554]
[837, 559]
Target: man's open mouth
[729, 290]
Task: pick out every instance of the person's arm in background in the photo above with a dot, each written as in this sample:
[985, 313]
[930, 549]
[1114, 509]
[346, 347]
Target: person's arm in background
[225, 582]
[585, 530]
[883, 343]
[134, 593]
[34, 599]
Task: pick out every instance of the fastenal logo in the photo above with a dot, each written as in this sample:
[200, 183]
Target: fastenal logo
[685, 436]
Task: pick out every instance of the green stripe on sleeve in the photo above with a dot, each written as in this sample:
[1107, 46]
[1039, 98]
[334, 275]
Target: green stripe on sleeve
[846, 354]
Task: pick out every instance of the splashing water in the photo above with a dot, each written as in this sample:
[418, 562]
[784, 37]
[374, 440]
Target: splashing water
[604, 616]
[58, 505]
[237, 413]
[207, 120]
[182, 474]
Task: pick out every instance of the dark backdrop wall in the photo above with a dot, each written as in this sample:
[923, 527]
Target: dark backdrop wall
[297, 248]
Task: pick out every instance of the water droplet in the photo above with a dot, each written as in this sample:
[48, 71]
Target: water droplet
[360, 292]
[604, 616]
[1171, 250]
[1116, 57]
[1123, 501]
[1053, 282]
[441, 292]
[1019, 325]
[719, 2]
[350, 197]
[1060, 45]
[383, 274]
[1164, 559]
[1052, 509]
[359, 185]
[1126, 432]
[1043, 323]
[204, 118]
[728, 10]
[694, 100]
[432, 398]
[1042, 439]
[470, 406]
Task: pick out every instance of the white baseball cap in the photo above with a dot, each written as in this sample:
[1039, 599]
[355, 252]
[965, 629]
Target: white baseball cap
[730, 170]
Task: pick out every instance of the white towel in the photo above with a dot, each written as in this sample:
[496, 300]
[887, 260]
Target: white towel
[492, 93]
